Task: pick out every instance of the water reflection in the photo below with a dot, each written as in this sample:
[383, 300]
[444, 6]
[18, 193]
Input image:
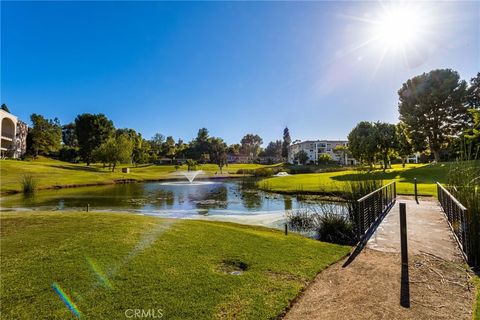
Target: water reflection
[228, 198]
[287, 200]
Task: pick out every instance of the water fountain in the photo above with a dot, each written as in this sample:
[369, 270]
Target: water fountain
[190, 175]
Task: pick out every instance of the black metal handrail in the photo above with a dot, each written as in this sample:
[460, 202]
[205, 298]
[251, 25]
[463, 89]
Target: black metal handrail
[374, 205]
[456, 216]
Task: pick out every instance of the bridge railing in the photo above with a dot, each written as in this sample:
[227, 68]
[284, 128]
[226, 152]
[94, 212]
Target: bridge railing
[456, 214]
[373, 206]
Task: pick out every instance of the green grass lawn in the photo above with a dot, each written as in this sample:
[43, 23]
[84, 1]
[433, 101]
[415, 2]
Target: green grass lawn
[107, 263]
[427, 176]
[50, 173]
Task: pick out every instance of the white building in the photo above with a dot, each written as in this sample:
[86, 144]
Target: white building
[315, 148]
[13, 135]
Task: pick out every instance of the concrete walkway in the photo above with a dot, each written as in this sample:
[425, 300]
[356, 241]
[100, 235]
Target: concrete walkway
[427, 230]
[369, 287]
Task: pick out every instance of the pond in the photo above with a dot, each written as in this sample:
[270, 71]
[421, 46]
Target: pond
[227, 200]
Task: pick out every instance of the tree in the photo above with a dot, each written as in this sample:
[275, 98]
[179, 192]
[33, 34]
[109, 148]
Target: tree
[218, 152]
[191, 164]
[473, 93]
[301, 157]
[433, 108]
[139, 151]
[362, 144]
[386, 139]
[286, 142]
[115, 150]
[325, 158]
[274, 149]
[470, 138]
[5, 108]
[169, 147]
[404, 147]
[181, 148]
[234, 149]
[91, 131]
[199, 147]
[69, 150]
[251, 145]
[69, 137]
[341, 150]
[46, 135]
[156, 144]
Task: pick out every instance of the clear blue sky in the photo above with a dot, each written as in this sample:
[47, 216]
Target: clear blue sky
[234, 68]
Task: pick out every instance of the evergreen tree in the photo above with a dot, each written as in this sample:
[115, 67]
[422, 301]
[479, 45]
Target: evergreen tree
[286, 142]
[433, 108]
[5, 108]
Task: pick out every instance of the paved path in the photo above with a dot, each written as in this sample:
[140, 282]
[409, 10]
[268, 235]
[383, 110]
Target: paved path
[427, 230]
[369, 287]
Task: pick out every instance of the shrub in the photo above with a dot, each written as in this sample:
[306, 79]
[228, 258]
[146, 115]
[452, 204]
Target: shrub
[300, 220]
[335, 227]
[464, 184]
[29, 184]
[359, 186]
[263, 172]
[245, 171]
[330, 222]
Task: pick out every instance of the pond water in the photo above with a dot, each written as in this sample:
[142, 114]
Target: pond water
[232, 200]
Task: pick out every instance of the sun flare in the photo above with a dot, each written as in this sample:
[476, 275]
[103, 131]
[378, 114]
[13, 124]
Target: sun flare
[398, 27]
[395, 32]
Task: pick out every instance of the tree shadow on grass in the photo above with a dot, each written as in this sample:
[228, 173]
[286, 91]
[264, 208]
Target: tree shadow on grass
[426, 174]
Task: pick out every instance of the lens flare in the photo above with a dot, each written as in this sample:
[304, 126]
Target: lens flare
[67, 300]
[102, 277]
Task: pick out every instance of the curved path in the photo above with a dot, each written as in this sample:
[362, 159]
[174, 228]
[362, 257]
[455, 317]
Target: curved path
[370, 286]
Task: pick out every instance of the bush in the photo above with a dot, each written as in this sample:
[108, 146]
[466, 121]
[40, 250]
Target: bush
[331, 167]
[245, 171]
[336, 228]
[359, 186]
[260, 172]
[330, 222]
[263, 172]
[300, 220]
[464, 184]
[301, 169]
[29, 184]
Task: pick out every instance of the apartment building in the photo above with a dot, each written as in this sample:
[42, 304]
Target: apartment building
[315, 148]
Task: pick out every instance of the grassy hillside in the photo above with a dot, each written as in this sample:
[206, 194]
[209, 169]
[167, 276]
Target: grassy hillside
[107, 263]
[427, 176]
[50, 173]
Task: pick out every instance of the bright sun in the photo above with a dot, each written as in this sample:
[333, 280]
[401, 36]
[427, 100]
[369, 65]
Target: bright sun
[398, 27]
[397, 31]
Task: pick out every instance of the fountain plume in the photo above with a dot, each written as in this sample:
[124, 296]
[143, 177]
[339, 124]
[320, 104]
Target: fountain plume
[191, 175]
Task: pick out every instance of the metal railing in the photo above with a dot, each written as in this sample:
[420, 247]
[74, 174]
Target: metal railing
[456, 215]
[374, 205]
